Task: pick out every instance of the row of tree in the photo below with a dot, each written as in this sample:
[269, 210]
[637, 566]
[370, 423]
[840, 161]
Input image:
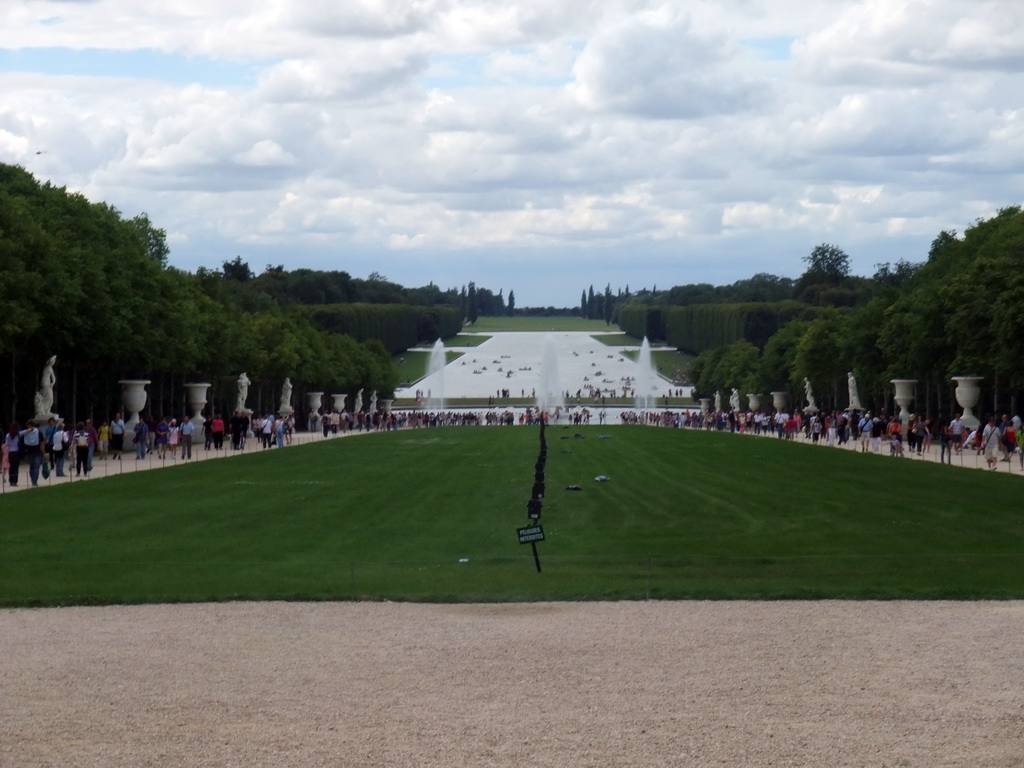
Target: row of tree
[80, 281]
[959, 312]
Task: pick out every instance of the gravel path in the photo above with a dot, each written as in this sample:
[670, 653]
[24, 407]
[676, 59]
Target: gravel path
[594, 684]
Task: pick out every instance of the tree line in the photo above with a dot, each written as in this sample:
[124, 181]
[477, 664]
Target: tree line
[960, 311]
[80, 281]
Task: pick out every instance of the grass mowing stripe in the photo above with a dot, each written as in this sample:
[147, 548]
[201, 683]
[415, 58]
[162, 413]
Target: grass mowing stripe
[390, 515]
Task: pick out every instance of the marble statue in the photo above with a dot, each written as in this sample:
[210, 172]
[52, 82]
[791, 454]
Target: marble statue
[718, 401]
[286, 397]
[812, 406]
[851, 384]
[44, 397]
[373, 402]
[243, 391]
[357, 404]
[734, 399]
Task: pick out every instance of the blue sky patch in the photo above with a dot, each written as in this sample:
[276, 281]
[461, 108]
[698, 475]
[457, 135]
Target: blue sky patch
[771, 48]
[144, 63]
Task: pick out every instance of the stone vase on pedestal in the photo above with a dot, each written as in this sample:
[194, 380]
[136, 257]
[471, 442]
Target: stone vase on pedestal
[196, 398]
[314, 400]
[968, 392]
[385, 405]
[754, 401]
[705, 404]
[135, 397]
[904, 396]
[779, 401]
[339, 402]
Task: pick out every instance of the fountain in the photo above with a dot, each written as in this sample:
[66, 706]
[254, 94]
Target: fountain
[550, 397]
[435, 375]
[645, 377]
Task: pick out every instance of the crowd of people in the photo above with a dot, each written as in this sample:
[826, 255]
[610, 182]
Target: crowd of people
[60, 448]
[997, 438]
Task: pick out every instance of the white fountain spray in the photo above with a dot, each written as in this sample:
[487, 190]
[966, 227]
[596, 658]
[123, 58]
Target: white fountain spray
[435, 377]
[645, 377]
[550, 396]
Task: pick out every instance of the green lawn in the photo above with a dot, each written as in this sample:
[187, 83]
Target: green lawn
[414, 364]
[671, 363]
[617, 339]
[495, 324]
[465, 340]
[392, 515]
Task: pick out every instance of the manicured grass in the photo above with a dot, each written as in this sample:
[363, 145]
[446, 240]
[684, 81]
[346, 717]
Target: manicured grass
[672, 364]
[465, 340]
[413, 364]
[617, 339]
[495, 324]
[684, 514]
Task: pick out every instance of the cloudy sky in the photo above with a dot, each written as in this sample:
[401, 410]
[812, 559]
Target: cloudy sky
[534, 145]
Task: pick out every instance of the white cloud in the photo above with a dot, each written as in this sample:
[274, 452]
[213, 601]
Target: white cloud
[646, 141]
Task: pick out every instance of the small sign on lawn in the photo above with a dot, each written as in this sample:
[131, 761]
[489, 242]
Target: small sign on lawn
[530, 534]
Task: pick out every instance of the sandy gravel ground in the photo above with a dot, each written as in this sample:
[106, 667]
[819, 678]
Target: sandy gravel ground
[595, 684]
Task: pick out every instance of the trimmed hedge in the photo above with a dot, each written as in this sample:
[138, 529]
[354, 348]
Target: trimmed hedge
[639, 321]
[397, 326]
[699, 327]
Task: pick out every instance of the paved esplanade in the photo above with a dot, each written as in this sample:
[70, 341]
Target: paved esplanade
[513, 361]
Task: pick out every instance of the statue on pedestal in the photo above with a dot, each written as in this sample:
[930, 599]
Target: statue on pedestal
[44, 397]
[734, 399]
[718, 401]
[373, 402]
[243, 391]
[357, 404]
[812, 406]
[851, 384]
[286, 397]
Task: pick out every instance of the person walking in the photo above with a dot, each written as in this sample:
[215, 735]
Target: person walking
[59, 449]
[992, 443]
[217, 431]
[141, 439]
[34, 447]
[186, 431]
[116, 436]
[80, 441]
[12, 448]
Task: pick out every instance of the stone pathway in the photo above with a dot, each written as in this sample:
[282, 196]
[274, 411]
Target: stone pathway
[128, 463]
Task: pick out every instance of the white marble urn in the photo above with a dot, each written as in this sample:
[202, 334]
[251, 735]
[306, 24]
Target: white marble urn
[339, 402]
[135, 397]
[754, 401]
[195, 396]
[314, 400]
[904, 396]
[968, 392]
[779, 399]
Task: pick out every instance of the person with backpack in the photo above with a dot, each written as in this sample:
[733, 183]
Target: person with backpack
[991, 443]
[59, 449]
